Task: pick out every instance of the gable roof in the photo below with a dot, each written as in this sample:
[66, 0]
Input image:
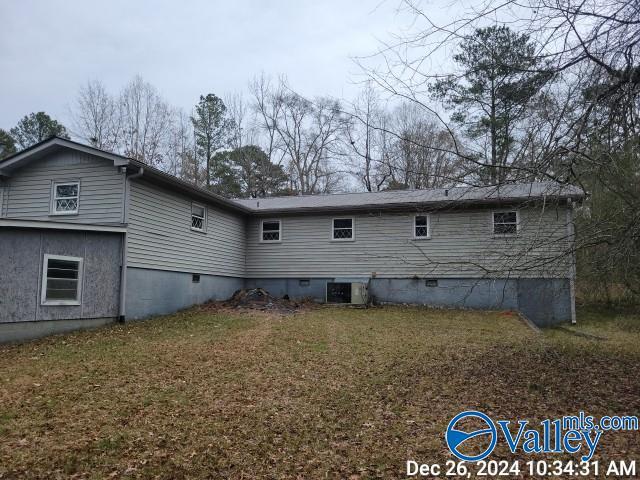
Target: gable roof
[13, 162]
[45, 147]
[387, 200]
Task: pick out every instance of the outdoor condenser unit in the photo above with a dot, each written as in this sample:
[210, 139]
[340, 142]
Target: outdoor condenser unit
[354, 293]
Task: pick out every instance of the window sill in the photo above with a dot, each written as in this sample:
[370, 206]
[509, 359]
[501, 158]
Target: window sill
[270, 241]
[506, 235]
[63, 214]
[338, 240]
[198, 230]
[419, 239]
[60, 303]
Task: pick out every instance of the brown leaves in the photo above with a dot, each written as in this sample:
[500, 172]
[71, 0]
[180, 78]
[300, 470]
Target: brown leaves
[323, 394]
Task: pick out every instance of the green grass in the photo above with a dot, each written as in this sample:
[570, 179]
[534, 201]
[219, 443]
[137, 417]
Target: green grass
[328, 393]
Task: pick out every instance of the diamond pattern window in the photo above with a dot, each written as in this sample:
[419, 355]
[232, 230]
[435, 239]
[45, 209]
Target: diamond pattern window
[421, 226]
[505, 223]
[343, 229]
[271, 230]
[198, 217]
[66, 198]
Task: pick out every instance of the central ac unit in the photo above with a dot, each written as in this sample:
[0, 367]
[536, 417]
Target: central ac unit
[354, 293]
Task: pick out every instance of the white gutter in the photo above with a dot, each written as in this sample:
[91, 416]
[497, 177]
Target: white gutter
[123, 268]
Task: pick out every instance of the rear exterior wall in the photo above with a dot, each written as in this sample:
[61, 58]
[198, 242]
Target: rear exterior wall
[160, 236]
[461, 245]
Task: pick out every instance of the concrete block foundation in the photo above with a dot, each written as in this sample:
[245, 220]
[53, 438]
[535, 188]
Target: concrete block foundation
[159, 292]
[311, 288]
[544, 301]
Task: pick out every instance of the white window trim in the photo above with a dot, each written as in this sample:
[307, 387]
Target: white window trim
[53, 197]
[204, 220]
[413, 225]
[262, 240]
[45, 268]
[500, 235]
[353, 229]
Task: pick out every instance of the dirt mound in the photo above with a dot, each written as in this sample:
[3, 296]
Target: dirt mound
[260, 299]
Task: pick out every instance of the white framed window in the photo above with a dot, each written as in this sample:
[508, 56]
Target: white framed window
[61, 280]
[270, 231]
[505, 222]
[65, 198]
[421, 226]
[198, 217]
[343, 229]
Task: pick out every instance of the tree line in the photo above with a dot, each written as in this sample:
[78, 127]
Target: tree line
[273, 141]
[268, 141]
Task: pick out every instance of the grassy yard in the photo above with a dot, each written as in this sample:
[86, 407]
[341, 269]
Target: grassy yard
[328, 393]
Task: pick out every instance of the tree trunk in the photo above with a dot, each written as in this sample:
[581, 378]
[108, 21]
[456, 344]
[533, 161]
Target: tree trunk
[209, 164]
[494, 149]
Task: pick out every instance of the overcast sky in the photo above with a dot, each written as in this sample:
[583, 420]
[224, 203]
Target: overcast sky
[184, 48]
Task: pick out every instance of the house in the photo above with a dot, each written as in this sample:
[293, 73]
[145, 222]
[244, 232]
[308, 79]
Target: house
[88, 237]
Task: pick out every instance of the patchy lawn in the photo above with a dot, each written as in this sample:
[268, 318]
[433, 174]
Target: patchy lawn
[329, 393]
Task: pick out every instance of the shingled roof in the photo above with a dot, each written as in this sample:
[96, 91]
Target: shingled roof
[469, 195]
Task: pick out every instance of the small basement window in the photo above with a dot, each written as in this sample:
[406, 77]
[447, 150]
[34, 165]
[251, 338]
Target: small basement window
[270, 231]
[198, 217]
[195, 278]
[431, 282]
[305, 282]
[505, 223]
[342, 229]
[66, 197]
[421, 227]
[61, 280]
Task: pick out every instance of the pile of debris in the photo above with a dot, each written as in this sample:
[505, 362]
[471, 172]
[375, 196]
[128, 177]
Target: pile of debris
[260, 299]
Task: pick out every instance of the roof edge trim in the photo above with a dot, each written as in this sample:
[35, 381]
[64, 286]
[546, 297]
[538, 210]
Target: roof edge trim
[5, 222]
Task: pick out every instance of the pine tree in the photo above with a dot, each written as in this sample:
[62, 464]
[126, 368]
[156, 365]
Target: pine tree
[212, 129]
[36, 127]
[500, 75]
[7, 144]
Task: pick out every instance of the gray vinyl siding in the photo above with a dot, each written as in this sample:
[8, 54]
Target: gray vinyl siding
[160, 235]
[27, 195]
[3, 193]
[462, 245]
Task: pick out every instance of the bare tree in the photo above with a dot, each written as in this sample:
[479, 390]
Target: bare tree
[420, 155]
[181, 159]
[304, 132]
[365, 140]
[95, 116]
[268, 103]
[145, 120]
[243, 124]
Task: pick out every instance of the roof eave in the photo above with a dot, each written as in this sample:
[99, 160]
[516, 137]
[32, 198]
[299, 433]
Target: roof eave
[174, 183]
[405, 206]
[44, 147]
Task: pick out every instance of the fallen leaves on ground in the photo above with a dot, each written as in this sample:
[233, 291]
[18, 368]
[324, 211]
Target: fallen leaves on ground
[324, 393]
